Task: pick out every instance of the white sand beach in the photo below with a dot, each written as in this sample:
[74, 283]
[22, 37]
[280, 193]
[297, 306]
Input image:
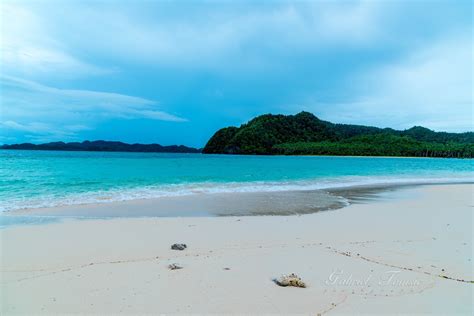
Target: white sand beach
[408, 252]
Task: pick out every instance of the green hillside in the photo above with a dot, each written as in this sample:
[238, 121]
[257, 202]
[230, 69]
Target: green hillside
[305, 134]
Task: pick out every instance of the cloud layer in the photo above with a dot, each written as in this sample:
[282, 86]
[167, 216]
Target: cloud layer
[50, 113]
[429, 87]
[77, 69]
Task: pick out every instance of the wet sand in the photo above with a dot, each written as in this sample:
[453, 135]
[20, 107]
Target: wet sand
[225, 204]
[406, 251]
[216, 204]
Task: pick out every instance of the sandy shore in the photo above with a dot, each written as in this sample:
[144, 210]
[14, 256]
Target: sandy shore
[407, 252]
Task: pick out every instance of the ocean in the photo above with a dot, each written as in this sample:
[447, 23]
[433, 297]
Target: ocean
[38, 179]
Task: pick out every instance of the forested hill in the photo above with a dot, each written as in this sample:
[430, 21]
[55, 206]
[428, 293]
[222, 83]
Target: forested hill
[102, 145]
[305, 134]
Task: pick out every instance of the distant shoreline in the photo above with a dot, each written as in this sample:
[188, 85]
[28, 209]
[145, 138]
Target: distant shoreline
[102, 146]
[199, 151]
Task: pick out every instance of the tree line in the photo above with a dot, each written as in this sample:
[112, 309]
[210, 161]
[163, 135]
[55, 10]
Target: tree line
[305, 134]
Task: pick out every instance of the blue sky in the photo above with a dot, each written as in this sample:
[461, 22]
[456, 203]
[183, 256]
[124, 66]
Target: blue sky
[175, 72]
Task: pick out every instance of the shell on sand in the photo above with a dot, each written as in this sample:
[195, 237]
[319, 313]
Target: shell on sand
[174, 266]
[178, 246]
[290, 280]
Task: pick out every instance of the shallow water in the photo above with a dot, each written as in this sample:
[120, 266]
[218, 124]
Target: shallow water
[36, 179]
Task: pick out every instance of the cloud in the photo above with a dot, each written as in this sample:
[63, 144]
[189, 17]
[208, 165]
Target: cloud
[21, 95]
[349, 23]
[383, 63]
[38, 131]
[29, 48]
[49, 39]
[35, 108]
[206, 37]
[431, 86]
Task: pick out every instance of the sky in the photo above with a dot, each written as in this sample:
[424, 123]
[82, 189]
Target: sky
[175, 72]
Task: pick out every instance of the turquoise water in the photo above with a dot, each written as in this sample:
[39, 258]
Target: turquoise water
[32, 179]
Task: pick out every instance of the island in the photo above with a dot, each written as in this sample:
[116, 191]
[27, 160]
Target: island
[305, 134]
[102, 145]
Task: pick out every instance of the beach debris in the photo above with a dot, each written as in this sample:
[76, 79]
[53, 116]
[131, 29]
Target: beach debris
[290, 280]
[178, 246]
[174, 266]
